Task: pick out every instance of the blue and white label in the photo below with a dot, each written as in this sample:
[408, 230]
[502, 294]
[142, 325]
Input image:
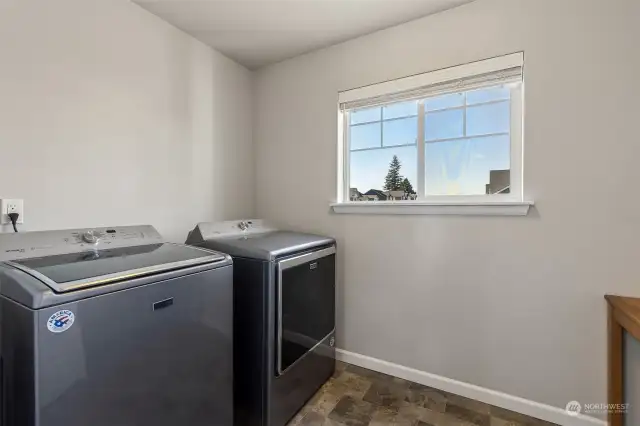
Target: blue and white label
[60, 321]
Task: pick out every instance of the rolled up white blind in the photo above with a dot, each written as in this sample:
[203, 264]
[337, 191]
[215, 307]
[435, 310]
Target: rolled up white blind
[475, 75]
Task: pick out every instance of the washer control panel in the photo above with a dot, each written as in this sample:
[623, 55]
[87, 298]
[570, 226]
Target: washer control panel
[24, 245]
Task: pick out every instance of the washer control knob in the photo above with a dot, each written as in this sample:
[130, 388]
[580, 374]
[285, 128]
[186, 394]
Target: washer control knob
[92, 237]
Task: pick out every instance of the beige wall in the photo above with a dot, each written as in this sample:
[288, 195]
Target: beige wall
[110, 116]
[509, 303]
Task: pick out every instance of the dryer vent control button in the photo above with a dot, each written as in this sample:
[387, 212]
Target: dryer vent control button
[92, 237]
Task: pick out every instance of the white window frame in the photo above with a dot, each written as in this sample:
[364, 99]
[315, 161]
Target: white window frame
[444, 81]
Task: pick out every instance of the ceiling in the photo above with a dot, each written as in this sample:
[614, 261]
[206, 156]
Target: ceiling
[260, 32]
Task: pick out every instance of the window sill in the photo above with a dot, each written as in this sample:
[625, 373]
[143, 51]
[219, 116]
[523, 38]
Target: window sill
[479, 208]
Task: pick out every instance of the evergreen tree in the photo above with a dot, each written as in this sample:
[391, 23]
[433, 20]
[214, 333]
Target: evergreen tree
[407, 187]
[393, 181]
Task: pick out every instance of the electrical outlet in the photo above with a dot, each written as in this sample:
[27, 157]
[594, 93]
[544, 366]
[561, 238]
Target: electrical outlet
[7, 206]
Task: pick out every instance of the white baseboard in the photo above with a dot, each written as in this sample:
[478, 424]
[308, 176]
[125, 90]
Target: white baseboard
[488, 396]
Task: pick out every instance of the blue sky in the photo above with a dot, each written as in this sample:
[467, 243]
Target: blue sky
[458, 166]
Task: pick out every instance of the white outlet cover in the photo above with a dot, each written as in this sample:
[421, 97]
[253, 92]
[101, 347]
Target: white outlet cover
[4, 206]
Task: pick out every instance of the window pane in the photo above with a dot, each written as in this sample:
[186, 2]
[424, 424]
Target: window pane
[445, 101]
[443, 124]
[400, 132]
[401, 109]
[365, 115]
[468, 166]
[491, 118]
[487, 95]
[365, 136]
[369, 169]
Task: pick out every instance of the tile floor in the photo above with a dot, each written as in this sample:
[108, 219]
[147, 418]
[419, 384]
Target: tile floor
[359, 397]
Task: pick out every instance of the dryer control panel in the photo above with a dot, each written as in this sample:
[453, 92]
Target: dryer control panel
[24, 245]
[233, 228]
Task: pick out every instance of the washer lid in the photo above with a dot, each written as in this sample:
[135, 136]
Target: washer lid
[73, 271]
[266, 245]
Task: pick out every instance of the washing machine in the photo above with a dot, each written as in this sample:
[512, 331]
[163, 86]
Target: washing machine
[114, 327]
[284, 315]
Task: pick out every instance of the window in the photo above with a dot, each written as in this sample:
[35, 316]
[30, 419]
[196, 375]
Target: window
[451, 136]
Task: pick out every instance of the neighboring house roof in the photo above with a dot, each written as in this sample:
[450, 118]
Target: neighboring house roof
[377, 193]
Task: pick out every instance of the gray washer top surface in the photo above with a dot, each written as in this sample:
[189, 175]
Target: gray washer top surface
[32, 263]
[265, 246]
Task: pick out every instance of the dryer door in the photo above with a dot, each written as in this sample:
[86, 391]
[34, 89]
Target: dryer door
[306, 304]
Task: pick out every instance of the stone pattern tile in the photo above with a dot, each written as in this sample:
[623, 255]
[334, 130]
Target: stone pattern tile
[355, 396]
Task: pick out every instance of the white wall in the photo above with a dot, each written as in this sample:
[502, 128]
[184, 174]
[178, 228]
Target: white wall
[110, 116]
[514, 304]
